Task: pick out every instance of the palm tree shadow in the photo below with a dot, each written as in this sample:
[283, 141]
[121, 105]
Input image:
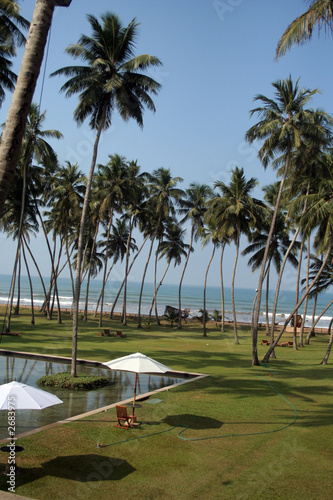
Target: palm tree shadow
[193, 421]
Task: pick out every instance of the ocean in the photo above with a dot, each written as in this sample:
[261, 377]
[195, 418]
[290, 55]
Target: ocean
[192, 297]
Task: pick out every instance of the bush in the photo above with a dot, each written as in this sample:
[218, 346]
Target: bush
[66, 381]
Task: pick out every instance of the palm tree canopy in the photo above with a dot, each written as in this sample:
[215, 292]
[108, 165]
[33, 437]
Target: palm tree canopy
[113, 78]
[173, 247]
[10, 22]
[320, 14]
[194, 205]
[284, 123]
[236, 211]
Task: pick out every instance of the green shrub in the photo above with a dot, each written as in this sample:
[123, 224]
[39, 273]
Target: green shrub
[66, 381]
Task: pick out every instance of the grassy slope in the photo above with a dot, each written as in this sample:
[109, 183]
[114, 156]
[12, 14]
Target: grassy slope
[253, 460]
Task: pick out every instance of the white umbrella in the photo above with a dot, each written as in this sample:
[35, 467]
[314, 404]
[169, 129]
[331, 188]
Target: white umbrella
[24, 397]
[137, 363]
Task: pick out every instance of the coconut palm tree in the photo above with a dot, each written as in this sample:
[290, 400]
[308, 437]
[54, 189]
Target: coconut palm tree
[208, 233]
[193, 208]
[237, 212]
[317, 217]
[11, 24]
[162, 196]
[111, 79]
[11, 36]
[24, 90]
[284, 125]
[319, 14]
[112, 184]
[172, 248]
[66, 200]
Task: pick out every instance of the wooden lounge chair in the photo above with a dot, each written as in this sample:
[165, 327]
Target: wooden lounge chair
[119, 333]
[124, 420]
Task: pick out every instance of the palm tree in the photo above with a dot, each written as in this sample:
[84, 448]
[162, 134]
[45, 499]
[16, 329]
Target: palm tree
[11, 36]
[318, 216]
[113, 187]
[24, 90]
[11, 23]
[162, 195]
[283, 127]
[193, 207]
[208, 233]
[133, 206]
[319, 14]
[172, 248]
[111, 79]
[237, 213]
[279, 245]
[66, 200]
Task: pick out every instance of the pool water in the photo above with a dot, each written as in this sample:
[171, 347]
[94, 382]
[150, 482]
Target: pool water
[75, 402]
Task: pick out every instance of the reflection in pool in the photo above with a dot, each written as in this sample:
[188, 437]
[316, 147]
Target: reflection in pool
[28, 371]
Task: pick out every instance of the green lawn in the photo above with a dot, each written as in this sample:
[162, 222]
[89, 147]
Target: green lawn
[248, 432]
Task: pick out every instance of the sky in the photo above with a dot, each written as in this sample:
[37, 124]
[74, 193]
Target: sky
[217, 55]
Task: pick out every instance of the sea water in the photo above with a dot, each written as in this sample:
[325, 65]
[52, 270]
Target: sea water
[192, 298]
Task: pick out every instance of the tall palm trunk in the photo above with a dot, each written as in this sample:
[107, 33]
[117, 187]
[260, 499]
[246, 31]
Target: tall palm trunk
[158, 287]
[155, 279]
[24, 90]
[314, 281]
[143, 279]
[233, 289]
[267, 296]
[204, 294]
[278, 285]
[105, 269]
[182, 277]
[301, 333]
[39, 274]
[128, 243]
[311, 332]
[80, 249]
[329, 347]
[31, 288]
[85, 314]
[297, 293]
[126, 276]
[255, 360]
[222, 287]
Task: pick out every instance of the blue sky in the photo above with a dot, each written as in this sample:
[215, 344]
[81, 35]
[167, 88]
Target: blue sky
[216, 55]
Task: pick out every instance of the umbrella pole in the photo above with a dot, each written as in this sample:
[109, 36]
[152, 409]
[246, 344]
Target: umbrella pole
[136, 381]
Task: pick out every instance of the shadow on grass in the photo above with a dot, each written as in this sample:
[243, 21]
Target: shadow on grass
[80, 468]
[193, 421]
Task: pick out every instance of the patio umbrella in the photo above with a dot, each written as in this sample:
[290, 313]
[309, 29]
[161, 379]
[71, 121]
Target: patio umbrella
[137, 363]
[17, 396]
[25, 397]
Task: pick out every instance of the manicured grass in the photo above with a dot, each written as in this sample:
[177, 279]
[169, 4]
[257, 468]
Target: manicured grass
[248, 432]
